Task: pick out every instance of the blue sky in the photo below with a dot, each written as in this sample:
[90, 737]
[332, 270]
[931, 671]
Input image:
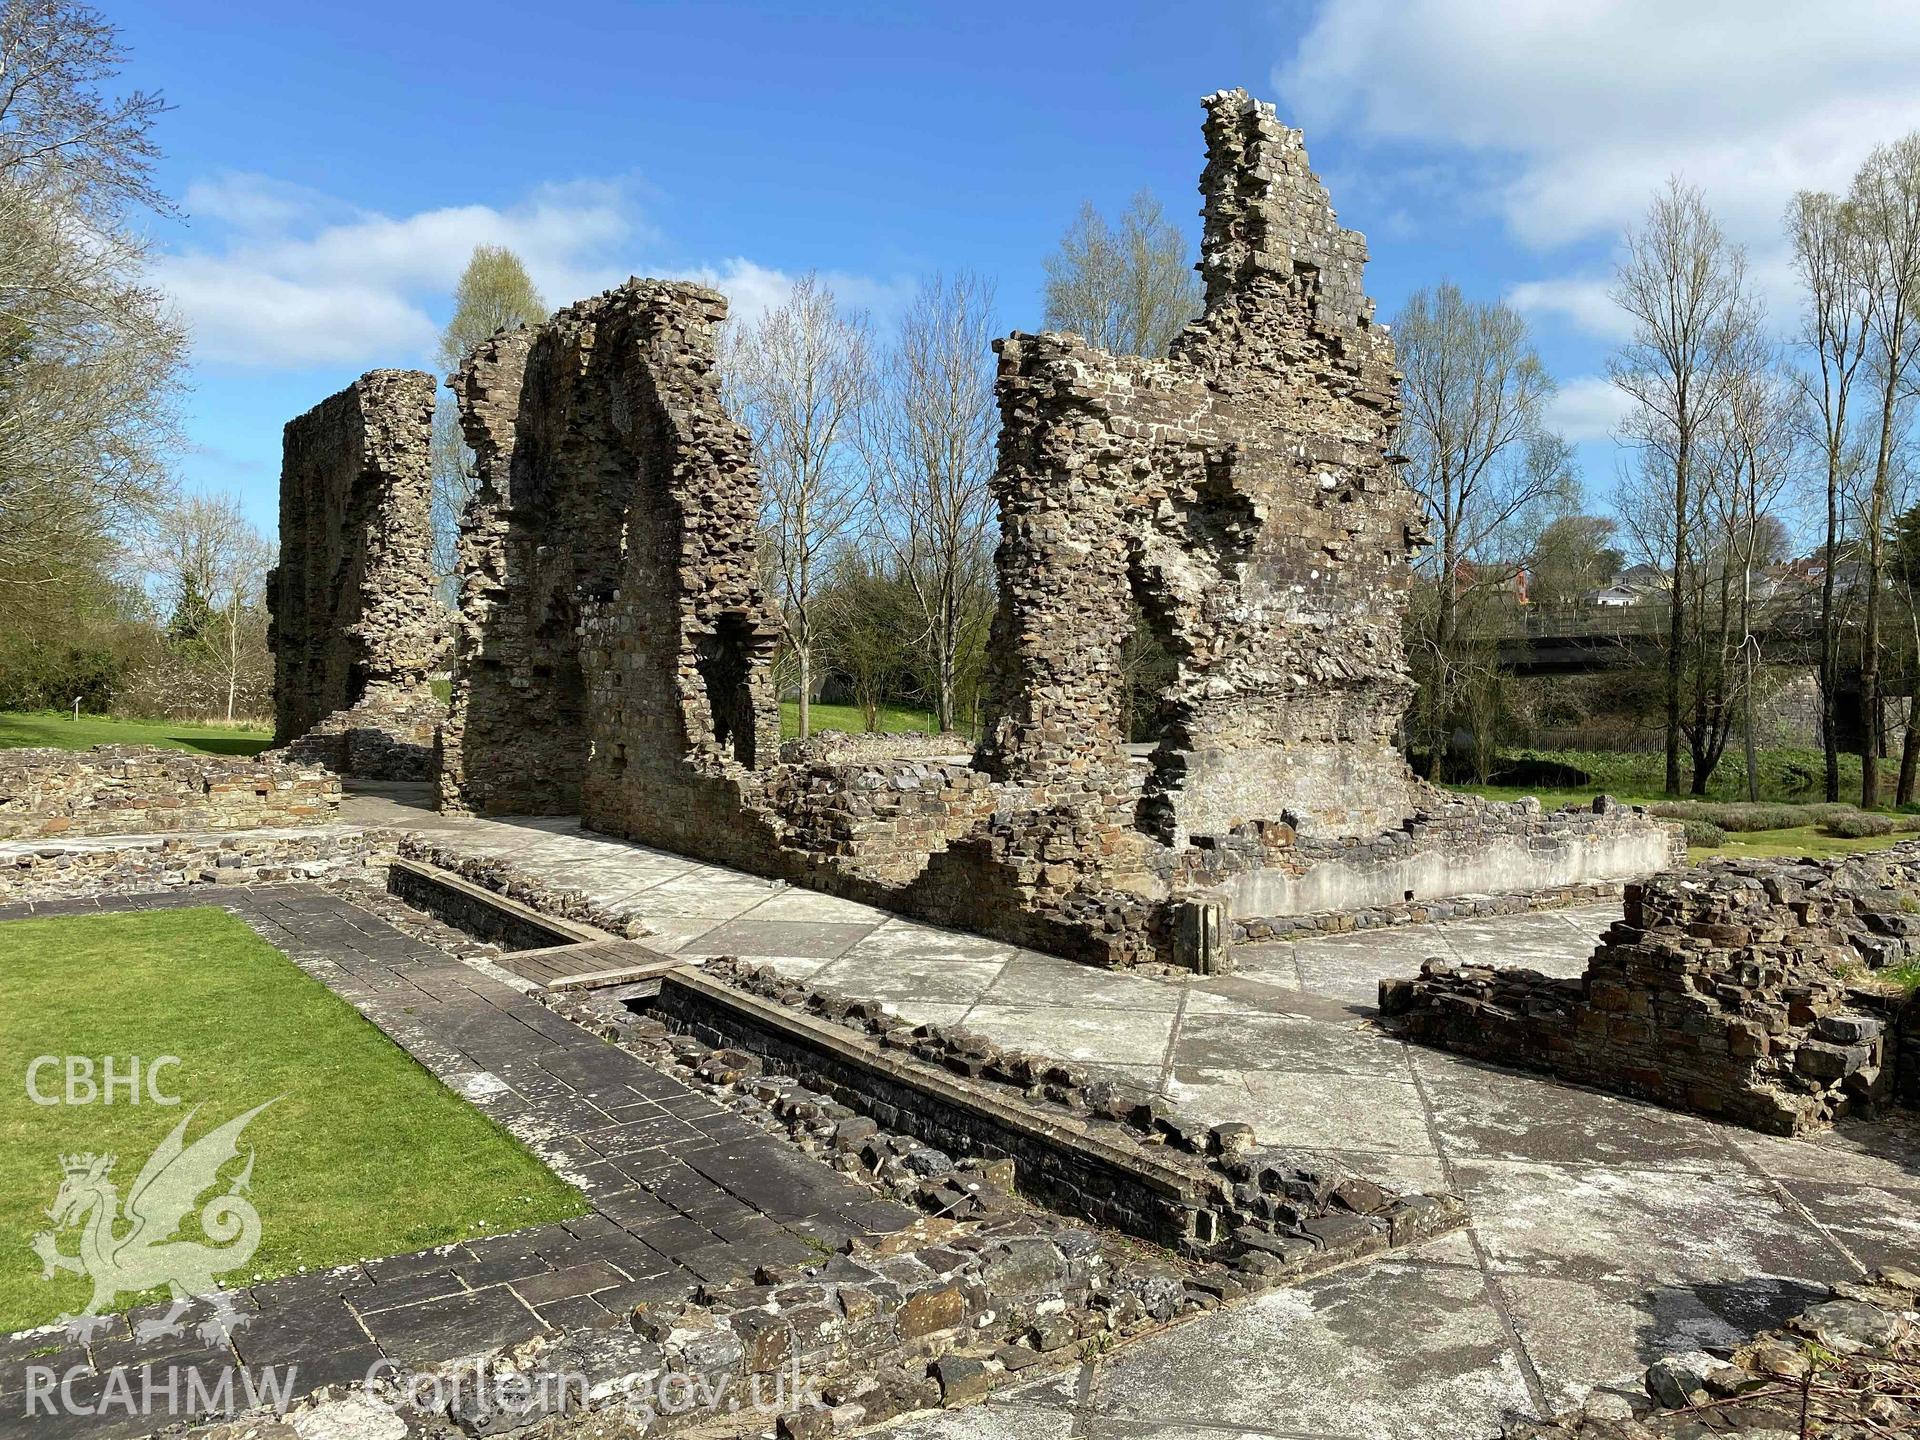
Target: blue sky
[338, 162]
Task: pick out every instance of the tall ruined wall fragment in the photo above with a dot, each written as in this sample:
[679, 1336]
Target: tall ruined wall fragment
[1239, 492]
[614, 655]
[614, 643]
[354, 623]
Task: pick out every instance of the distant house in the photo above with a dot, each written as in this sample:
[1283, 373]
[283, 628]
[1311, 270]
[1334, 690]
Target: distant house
[1614, 595]
[1632, 586]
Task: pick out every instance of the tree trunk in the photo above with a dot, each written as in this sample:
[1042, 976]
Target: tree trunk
[803, 654]
[1870, 639]
[1909, 751]
[1830, 631]
[1676, 623]
[1746, 721]
[943, 701]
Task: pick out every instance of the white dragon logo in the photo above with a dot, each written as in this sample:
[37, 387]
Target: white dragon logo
[146, 1255]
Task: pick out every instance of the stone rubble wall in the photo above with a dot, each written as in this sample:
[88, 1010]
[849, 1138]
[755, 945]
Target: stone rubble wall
[609, 598]
[1240, 492]
[148, 864]
[354, 624]
[390, 735]
[1727, 990]
[882, 821]
[148, 789]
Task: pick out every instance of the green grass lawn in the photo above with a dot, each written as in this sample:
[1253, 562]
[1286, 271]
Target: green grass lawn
[1801, 840]
[59, 729]
[894, 719]
[1787, 775]
[1792, 777]
[364, 1154]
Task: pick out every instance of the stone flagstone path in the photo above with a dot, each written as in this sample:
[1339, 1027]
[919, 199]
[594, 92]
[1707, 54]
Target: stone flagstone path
[1605, 1232]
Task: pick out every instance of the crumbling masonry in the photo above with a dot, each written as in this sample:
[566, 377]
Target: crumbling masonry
[354, 619]
[614, 652]
[1740, 988]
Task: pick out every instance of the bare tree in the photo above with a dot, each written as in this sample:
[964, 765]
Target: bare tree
[1885, 201]
[209, 567]
[800, 379]
[867, 625]
[1827, 243]
[90, 356]
[1757, 457]
[929, 450]
[1684, 288]
[1484, 463]
[495, 293]
[1128, 288]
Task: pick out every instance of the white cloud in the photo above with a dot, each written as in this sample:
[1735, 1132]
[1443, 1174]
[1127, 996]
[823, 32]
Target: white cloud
[301, 278]
[1588, 408]
[1581, 299]
[1590, 107]
[752, 290]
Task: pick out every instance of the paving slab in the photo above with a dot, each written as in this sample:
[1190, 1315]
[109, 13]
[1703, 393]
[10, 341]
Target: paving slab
[1486, 1113]
[1600, 1225]
[1616, 1223]
[796, 939]
[1583, 1336]
[1390, 1351]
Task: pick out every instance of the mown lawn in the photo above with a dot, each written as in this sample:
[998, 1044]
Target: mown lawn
[1787, 777]
[1799, 841]
[894, 719]
[59, 729]
[363, 1154]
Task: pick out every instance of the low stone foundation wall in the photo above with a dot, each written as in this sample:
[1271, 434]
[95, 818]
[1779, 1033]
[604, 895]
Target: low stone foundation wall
[842, 747]
[1091, 1148]
[1424, 912]
[144, 864]
[1725, 991]
[1452, 846]
[148, 789]
[882, 821]
[384, 737]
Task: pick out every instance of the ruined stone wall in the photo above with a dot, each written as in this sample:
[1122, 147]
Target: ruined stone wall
[148, 789]
[881, 821]
[1239, 491]
[613, 643]
[354, 622]
[1726, 990]
[681, 704]
[614, 655]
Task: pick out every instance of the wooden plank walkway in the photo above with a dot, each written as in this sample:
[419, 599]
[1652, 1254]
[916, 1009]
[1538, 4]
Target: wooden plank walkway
[588, 966]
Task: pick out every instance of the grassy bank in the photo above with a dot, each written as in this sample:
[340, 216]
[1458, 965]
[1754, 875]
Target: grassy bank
[894, 719]
[59, 729]
[1790, 781]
